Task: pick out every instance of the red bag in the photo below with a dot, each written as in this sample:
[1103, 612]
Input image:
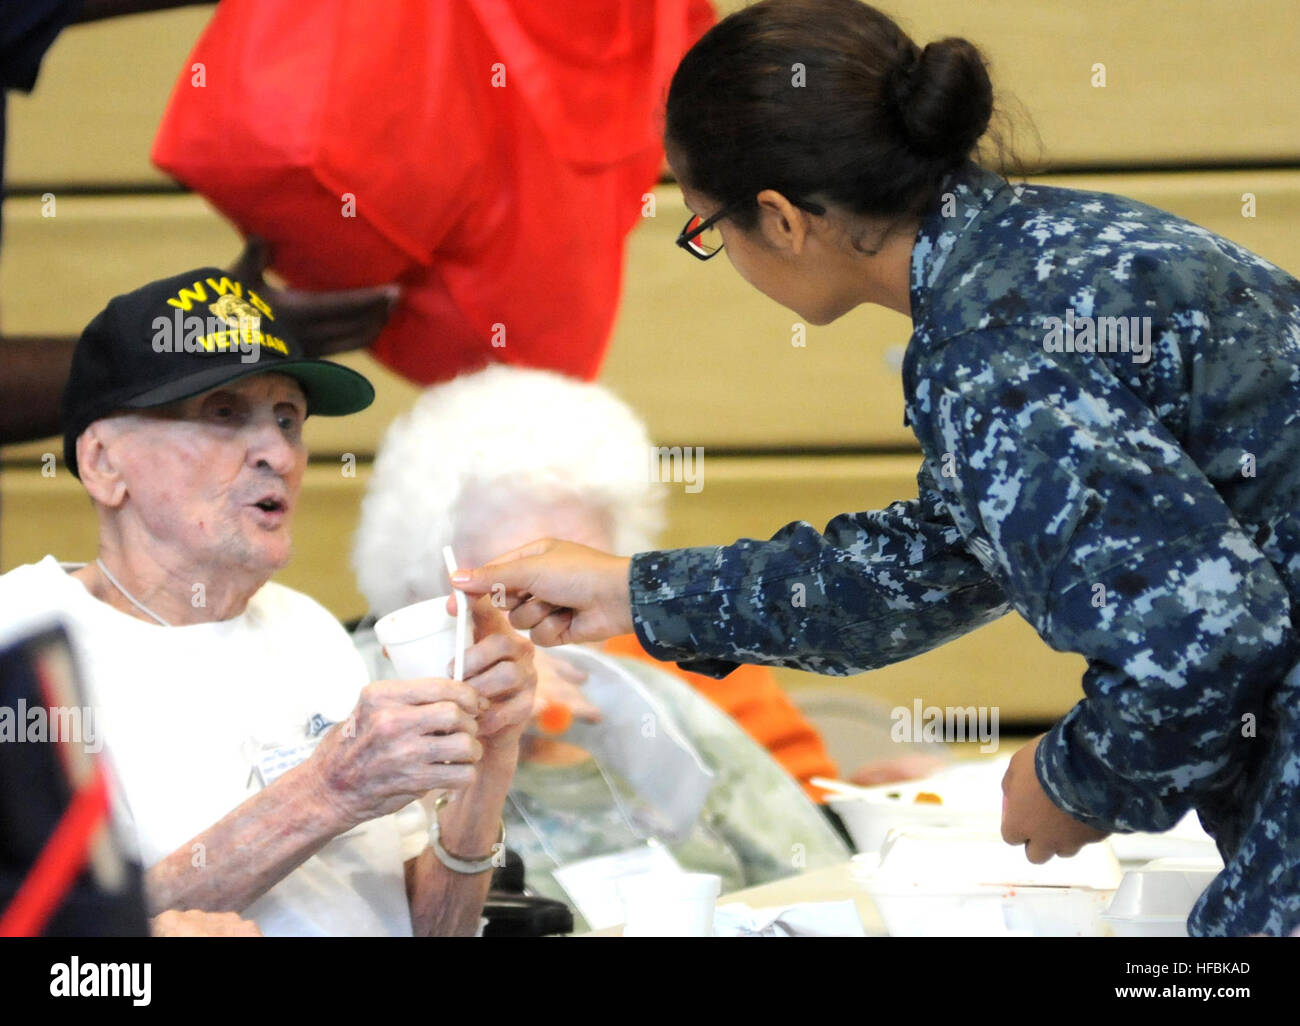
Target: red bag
[491, 155]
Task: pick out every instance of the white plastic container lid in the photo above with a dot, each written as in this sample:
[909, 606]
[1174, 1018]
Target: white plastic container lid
[1165, 889]
[968, 861]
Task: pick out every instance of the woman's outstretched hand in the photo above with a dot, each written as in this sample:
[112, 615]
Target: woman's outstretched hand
[1030, 818]
[564, 593]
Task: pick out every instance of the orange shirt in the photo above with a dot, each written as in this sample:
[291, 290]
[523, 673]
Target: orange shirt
[752, 697]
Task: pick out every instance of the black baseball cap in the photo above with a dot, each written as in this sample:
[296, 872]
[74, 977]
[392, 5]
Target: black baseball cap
[184, 335]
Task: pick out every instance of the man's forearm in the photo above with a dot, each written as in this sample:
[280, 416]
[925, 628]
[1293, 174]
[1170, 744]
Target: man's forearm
[445, 903]
[33, 372]
[234, 862]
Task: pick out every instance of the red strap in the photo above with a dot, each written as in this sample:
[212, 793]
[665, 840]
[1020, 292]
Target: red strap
[57, 866]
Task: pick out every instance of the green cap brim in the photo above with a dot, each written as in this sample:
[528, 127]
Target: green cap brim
[332, 390]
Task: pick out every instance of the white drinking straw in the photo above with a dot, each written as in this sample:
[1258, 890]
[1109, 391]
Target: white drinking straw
[462, 615]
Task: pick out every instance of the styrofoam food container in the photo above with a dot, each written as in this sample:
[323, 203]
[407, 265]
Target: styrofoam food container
[1156, 900]
[1187, 839]
[1146, 926]
[1056, 911]
[869, 822]
[971, 794]
[971, 883]
[942, 857]
[989, 911]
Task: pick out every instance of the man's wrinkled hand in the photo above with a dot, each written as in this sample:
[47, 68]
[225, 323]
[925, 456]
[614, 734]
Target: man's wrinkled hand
[1030, 818]
[403, 739]
[323, 322]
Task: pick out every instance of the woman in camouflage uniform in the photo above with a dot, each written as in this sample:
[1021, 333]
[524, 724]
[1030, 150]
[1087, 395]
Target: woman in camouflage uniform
[1108, 402]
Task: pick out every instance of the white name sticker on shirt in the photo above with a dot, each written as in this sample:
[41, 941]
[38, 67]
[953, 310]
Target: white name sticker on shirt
[592, 884]
[273, 761]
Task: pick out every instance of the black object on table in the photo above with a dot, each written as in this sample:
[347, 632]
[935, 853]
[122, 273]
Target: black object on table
[512, 913]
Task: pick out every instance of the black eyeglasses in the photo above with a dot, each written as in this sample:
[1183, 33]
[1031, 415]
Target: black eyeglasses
[702, 239]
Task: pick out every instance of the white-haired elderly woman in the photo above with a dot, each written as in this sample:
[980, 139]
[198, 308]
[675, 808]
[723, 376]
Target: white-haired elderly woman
[486, 484]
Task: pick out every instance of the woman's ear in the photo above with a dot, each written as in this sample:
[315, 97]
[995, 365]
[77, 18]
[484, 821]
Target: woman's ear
[99, 473]
[783, 224]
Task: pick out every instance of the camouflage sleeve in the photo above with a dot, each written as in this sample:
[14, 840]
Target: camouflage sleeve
[875, 588]
[1110, 540]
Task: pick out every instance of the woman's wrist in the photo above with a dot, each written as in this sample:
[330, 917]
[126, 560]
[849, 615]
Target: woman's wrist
[624, 603]
[496, 768]
[453, 855]
[470, 824]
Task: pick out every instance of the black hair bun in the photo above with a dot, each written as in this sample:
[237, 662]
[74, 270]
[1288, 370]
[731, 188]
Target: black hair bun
[942, 98]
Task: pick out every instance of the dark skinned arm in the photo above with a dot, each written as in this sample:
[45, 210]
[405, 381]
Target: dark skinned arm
[98, 10]
[32, 374]
[33, 370]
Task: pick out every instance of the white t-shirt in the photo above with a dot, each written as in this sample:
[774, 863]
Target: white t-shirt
[192, 718]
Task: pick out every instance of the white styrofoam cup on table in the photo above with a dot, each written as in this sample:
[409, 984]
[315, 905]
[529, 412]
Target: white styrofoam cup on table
[669, 904]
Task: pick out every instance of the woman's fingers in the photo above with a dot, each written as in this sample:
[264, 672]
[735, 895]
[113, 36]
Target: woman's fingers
[555, 629]
[573, 592]
[533, 548]
[533, 610]
[506, 575]
[501, 644]
[500, 680]
[512, 712]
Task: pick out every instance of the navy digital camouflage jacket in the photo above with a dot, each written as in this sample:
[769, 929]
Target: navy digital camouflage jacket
[1107, 398]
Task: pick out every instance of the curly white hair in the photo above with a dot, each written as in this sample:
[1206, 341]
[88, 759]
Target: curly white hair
[542, 434]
